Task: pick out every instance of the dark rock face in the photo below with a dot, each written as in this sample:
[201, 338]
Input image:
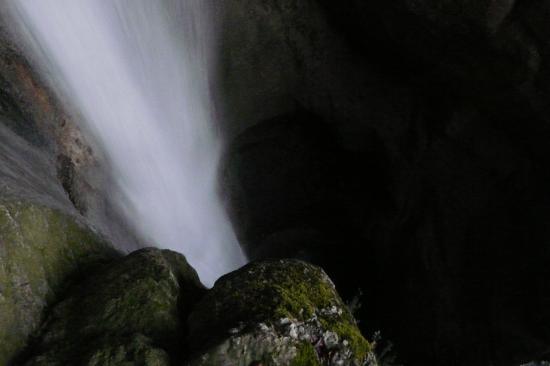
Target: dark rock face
[282, 312]
[131, 311]
[433, 167]
[280, 202]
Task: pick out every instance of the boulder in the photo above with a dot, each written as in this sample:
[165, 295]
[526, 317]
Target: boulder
[279, 312]
[136, 350]
[40, 250]
[132, 310]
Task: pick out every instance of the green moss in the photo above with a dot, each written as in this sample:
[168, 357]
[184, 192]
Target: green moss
[302, 294]
[306, 356]
[137, 350]
[266, 292]
[40, 250]
[348, 331]
[139, 294]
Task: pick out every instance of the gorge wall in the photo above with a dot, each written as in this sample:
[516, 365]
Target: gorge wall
[401, 146]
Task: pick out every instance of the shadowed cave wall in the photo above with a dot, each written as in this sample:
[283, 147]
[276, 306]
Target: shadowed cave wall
[404, 147]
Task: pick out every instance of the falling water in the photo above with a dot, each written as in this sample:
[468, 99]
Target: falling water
[137, 70]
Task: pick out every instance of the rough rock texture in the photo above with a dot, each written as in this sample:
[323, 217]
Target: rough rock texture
[40, 248]
[125, 313]
[43, 240]
[280, 54]
[136, 350]
[282, 312]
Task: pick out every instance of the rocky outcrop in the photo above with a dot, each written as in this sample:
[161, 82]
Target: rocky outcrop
[281, 312]
[149, 308]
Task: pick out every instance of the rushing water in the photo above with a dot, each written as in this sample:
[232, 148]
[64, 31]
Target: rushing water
[137, 70]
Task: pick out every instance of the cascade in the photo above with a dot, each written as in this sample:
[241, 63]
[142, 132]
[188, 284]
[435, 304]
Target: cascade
[138, 73]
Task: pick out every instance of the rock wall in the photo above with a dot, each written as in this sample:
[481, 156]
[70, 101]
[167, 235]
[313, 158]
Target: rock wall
[413, 139]
[44, 242]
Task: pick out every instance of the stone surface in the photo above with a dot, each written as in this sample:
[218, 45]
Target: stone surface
[129, 311]
[44, 242]
[279, 207]
[40, 248]
[138, 350]
[281, 312]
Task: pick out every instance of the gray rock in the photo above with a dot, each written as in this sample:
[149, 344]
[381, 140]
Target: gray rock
[131, 310]
[276, 312]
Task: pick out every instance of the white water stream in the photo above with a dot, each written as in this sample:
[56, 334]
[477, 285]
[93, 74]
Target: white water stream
[137, 70]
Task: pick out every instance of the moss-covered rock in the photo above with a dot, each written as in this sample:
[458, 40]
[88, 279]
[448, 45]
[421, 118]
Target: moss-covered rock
[39, 249]
[128, 311]
[135, 351]
[280, 312]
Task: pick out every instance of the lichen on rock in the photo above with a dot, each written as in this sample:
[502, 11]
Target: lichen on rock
[279, 312]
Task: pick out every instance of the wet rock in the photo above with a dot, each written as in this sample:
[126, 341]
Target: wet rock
[137, 350]
[40, 250]
[280, 312]
[43, 119]
[44, 242]
[129, 311]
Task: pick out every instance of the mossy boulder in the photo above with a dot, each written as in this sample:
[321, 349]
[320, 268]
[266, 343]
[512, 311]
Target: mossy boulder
[128, 313]
[278, 312]
[137, 350]
[40, 248]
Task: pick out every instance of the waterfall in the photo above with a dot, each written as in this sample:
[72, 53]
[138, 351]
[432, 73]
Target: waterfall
[137, 71]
